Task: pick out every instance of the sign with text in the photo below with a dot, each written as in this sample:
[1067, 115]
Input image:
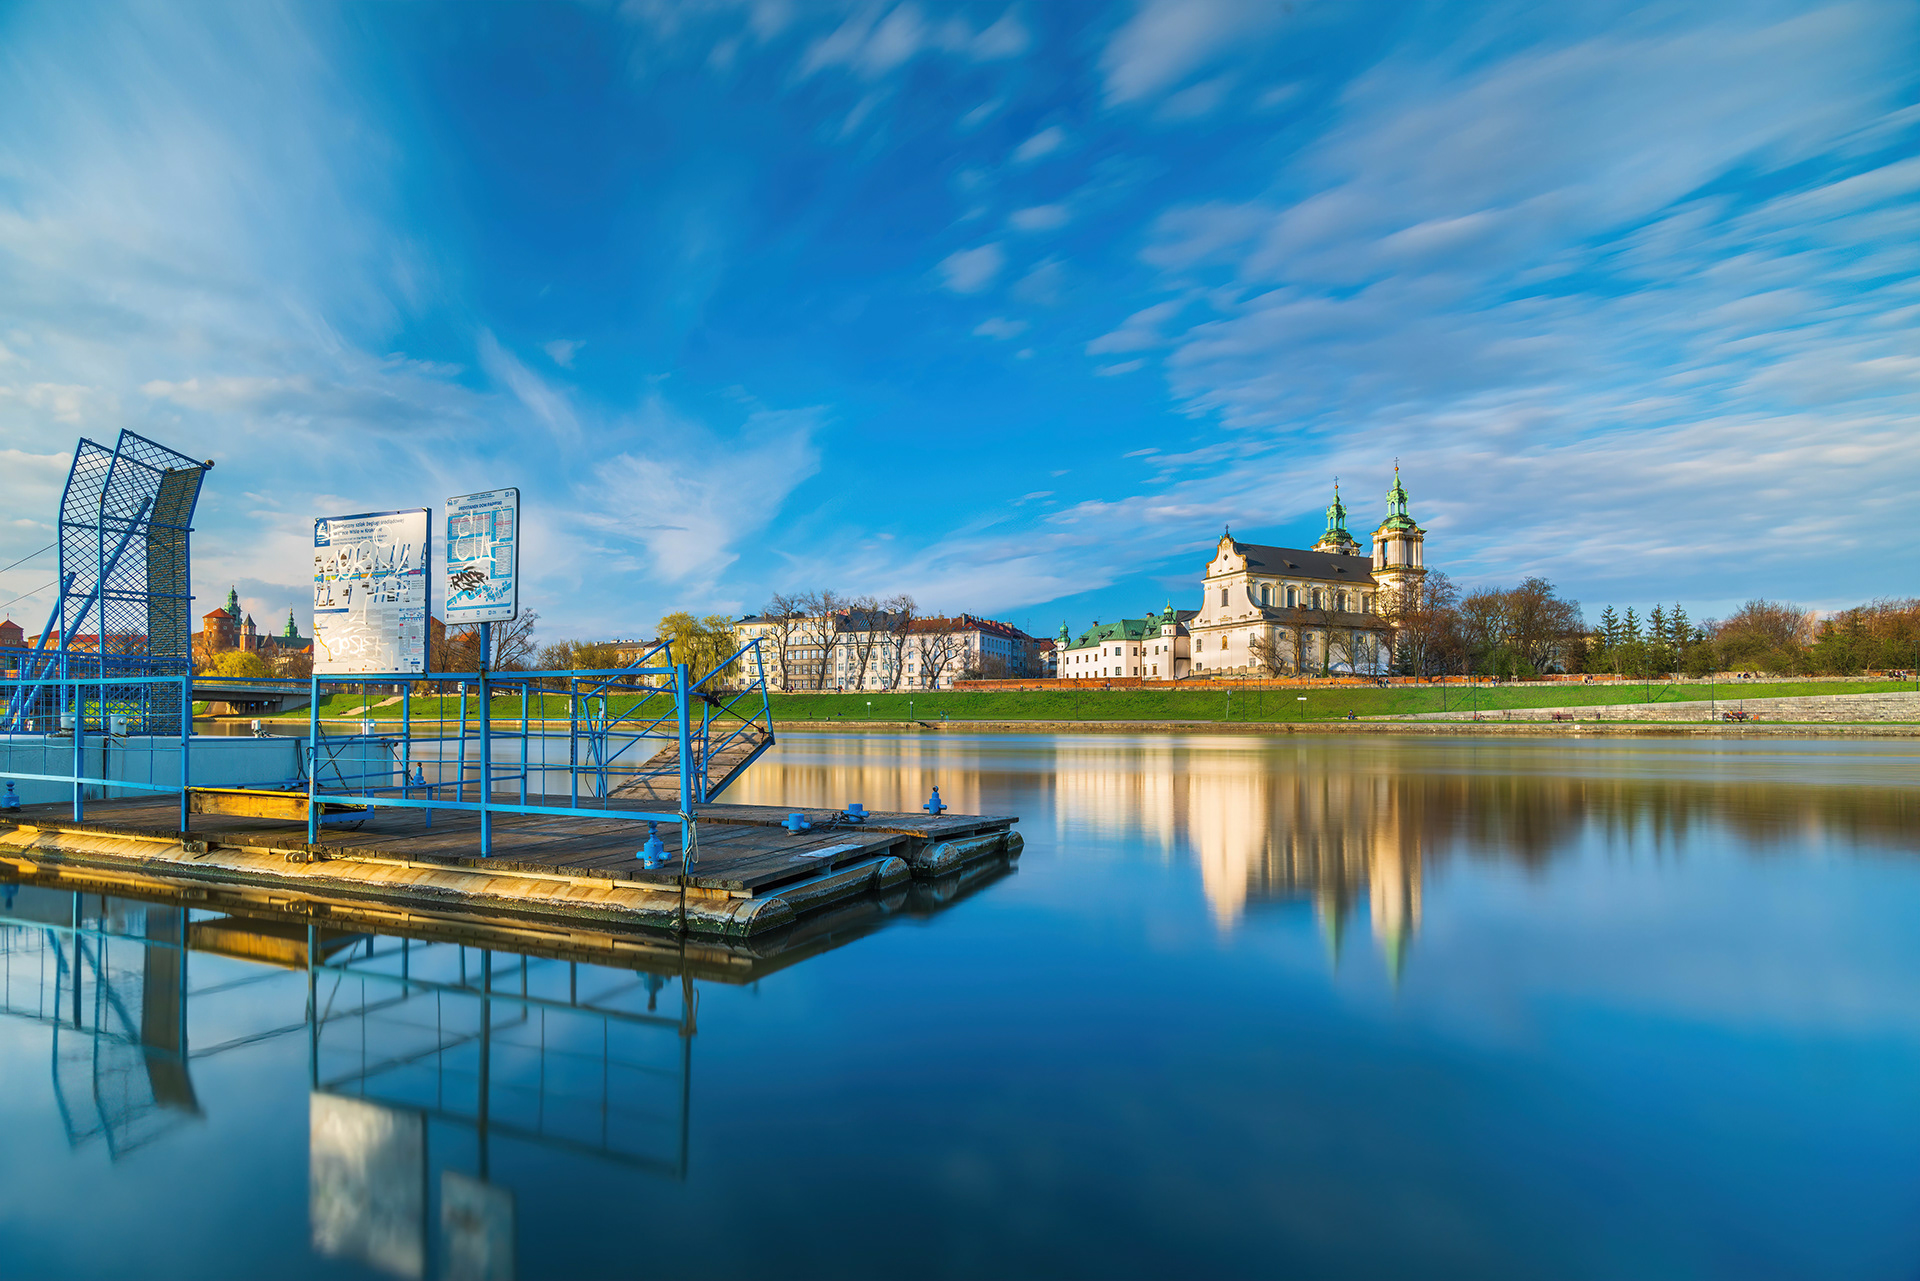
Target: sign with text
[483, 561]
[370, 590]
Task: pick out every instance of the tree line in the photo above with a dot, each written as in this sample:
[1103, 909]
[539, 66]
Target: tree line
[1531, 630]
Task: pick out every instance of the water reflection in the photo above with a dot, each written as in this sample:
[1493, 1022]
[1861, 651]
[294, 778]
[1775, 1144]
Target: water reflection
[1358, 825]
[426, 1049]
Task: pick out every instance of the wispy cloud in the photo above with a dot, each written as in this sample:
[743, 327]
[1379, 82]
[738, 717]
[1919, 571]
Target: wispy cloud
[871, 45]
[1044, 143]
[968, 271]
[1039, 218]
[1000, 327]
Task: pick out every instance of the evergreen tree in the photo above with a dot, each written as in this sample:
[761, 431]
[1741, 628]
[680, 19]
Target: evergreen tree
[1630, 630]
[1681, 624]
[1610, 626]
[1657, 627]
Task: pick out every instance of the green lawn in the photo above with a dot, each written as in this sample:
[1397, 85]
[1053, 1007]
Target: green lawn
[1164, 704]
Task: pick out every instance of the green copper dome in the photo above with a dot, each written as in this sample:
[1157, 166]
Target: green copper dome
[1397, 517]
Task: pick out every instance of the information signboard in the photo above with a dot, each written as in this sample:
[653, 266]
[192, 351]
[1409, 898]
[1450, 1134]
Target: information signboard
[483, 561]
[370, 590]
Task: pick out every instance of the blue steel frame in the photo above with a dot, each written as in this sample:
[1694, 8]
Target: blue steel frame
[138, 493]
[606, 738]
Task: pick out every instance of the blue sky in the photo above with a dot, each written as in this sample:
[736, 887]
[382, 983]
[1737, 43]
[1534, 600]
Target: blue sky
[1009, 306]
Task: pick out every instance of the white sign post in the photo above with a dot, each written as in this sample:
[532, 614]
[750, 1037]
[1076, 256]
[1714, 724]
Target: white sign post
[370, 589]
[483, 557]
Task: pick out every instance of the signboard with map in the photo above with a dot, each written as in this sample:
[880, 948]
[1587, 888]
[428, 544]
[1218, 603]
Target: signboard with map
[483, 561]
[370, 590]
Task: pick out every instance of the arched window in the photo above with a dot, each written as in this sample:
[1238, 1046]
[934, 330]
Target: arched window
[1223, 596]
[1266, 595]
[1290, 598]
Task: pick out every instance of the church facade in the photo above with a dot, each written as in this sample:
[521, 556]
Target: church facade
[1308, 611]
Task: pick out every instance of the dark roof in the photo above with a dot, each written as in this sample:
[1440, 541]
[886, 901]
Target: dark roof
[1331, 567]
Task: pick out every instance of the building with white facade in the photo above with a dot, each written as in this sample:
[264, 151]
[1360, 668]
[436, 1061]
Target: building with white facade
[1312, 611]
[1154, 648]
[877, 650]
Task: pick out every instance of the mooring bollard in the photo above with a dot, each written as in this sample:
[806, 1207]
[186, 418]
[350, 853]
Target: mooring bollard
[12, 798]
[935, 806]
[655, 850]
[797, 823]
[856, 812]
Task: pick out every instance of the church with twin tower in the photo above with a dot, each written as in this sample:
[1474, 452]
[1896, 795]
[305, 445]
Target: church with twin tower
[1313, 611]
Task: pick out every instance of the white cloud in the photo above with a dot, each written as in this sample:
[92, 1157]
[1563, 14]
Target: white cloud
[1140, 331]
[999, 327]
[1039, 218]
[690, 519]
[547, 406]
[968, 271]
[561, 351]
[1122, 367]
[1044, 143]
[1168, 40]
[871, 45]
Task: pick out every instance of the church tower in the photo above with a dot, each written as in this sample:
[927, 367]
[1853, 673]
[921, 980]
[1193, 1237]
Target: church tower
[1337, 539]
[1399, 557]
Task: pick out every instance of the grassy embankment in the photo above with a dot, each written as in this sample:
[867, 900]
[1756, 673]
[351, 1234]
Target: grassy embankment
[1168, 704]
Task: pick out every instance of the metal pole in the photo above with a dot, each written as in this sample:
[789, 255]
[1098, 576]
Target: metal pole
[460, 781]
[186, 743]
[680, 698]
[79, 752]
[406, 746]
[313, 761]
[573, 738]
[486, 743]
[523, 742]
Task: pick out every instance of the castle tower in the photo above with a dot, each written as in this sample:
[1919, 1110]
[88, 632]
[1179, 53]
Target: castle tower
[1337, 539]
[1399, 556]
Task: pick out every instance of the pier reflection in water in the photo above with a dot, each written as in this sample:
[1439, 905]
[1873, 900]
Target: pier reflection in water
[1248, 1006]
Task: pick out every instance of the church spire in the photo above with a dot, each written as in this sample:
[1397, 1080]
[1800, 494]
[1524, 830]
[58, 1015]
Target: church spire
[1336, 539]
[1337, 513]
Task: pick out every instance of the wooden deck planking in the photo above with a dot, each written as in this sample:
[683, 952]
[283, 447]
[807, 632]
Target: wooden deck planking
[734, 857]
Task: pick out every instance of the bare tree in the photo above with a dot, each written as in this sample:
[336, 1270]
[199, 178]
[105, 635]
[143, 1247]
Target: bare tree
[1270, 653]
[1426, 627]
[818, 635]
[900, 614]
[938, 649]
[861, 638]
[786, 613]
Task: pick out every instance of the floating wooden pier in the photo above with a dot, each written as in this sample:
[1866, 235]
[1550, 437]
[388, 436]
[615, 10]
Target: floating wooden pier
[748, 874]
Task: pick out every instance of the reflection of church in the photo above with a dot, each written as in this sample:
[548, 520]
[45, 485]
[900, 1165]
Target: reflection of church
[1260, 835]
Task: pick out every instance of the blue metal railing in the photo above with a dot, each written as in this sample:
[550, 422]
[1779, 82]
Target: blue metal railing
[119, 718]
[603, 742]
[620, 728]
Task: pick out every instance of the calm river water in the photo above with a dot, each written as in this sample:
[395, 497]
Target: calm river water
[1320, 1007]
